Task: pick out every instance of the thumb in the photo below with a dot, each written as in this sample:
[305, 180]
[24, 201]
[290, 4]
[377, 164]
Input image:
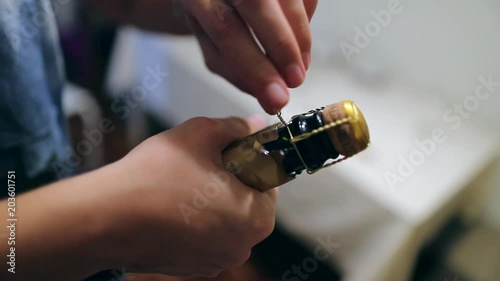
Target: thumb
[255, 122]
[234, 128]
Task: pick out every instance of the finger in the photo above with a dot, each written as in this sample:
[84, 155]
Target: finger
[216, 63]
[298, 19]
[310, 6]
[264, 213]
[272, 94]
[246, 66]
[255, 122]
[206, 45]
[272, 196]
[213, 58]
[230, 130]
[270, 25]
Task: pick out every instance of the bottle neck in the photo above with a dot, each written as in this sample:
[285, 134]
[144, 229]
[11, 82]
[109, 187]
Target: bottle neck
[315, 150]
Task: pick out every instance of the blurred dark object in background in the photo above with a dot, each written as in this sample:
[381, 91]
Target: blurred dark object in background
[87, 41]
[281, 251]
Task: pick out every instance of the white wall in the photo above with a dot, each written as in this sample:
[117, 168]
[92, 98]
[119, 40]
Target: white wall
[439, 47]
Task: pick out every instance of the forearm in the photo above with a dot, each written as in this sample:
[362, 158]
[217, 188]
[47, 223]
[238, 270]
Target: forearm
[153, 15]
[59, 230]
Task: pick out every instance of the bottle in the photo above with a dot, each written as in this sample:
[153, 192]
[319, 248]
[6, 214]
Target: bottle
[309, 142]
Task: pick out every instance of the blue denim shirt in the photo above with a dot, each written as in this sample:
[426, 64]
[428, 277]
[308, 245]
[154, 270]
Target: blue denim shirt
[32, 124]
[31, 82]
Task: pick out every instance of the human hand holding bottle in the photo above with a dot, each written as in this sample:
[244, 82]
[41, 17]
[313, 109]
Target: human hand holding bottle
[203, 219]
[127, 214]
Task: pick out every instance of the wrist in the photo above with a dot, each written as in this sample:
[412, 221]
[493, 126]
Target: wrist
[122, 215]
[92, 196]
[110, 206]
[67, 224]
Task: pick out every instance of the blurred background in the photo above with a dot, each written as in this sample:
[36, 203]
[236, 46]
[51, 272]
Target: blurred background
[422, 203]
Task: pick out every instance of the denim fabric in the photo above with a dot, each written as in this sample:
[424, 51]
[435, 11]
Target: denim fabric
[31, 81]
[32, 124]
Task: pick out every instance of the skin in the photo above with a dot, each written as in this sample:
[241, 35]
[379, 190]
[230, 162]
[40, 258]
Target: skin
[229, 48]
[127, 214]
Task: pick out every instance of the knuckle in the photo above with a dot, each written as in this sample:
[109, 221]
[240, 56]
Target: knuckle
[262, 228]
[237, 123]
[223, 29]
[241, 258]
[286, 45]
[205, 124]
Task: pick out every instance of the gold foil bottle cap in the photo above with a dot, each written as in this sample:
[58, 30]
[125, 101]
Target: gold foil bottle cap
[351, 136]
[309, 142]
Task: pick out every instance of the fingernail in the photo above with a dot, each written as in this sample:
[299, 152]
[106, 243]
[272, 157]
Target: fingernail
[306, 57]
[278, 93]
[295, 75]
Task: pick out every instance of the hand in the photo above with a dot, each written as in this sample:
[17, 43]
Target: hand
[230, 50]
[178, 212]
